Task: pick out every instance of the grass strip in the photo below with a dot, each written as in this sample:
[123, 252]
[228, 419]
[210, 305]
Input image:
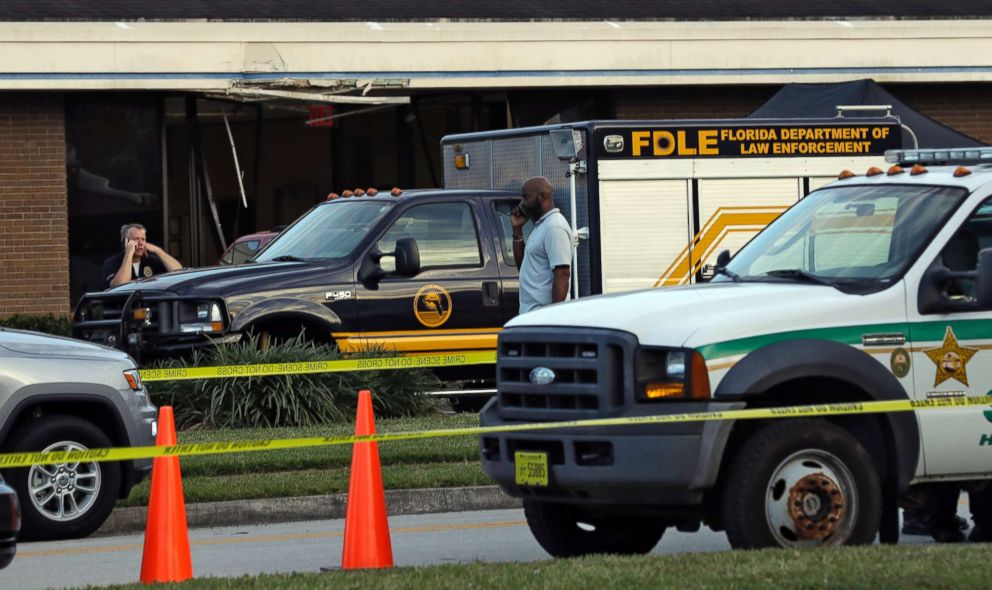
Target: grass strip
[917, 567]
[311, 482]
[437, 450]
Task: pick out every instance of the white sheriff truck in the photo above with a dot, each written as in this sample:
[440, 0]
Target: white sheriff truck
[877, 286]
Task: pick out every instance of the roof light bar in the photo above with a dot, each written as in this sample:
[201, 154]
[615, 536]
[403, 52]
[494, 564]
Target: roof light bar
[941, 156]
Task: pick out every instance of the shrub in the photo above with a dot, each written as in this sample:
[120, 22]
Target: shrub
[58, 325]
[288, 400]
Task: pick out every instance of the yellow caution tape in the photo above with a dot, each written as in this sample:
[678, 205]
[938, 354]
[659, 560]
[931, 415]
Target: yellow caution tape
[8, 460]
[409, 361]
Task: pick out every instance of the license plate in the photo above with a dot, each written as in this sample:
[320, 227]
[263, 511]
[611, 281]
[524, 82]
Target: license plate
[532, 468]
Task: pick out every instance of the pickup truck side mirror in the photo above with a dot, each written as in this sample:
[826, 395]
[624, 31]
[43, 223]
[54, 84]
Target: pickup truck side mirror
[983, 282]
[722, 258]
[943, 290]
[406, 255]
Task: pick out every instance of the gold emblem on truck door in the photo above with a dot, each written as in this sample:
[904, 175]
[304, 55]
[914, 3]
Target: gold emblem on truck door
[951, 359]
[432, 305]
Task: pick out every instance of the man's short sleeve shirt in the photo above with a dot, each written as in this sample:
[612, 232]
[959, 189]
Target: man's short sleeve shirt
[548, 247]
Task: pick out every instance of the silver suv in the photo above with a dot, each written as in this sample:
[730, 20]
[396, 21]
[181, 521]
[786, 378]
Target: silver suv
[60, 394]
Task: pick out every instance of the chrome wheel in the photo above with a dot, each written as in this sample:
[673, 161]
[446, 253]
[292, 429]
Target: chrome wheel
[811, 500]
[64, 491]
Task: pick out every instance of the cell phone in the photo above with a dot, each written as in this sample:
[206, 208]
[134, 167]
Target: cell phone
[518, 211]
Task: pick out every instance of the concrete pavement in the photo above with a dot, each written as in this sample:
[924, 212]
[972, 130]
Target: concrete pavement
[269, 510]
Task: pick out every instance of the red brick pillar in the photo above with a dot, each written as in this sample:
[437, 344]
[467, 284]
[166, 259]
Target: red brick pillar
[34, 244]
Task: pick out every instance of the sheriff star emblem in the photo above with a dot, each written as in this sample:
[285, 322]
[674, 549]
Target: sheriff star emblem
[951, 359]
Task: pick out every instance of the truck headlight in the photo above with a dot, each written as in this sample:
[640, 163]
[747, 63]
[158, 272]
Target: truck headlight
[202, 317]
[664, 374]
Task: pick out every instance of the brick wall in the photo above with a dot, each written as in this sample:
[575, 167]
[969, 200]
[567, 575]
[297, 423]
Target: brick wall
[34, 250]
[966, 108]
[691, 102]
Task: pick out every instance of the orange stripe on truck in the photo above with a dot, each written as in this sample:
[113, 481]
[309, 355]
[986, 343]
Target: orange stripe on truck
[416, 341]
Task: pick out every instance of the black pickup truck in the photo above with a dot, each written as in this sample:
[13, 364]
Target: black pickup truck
[416, 272]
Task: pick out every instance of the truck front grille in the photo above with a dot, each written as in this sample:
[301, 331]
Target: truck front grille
[585, 370]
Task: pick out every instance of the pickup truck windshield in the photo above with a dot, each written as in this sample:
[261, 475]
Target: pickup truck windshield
[844, 236]
[329, 231]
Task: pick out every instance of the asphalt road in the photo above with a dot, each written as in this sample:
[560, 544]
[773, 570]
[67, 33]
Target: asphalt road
[454, 537]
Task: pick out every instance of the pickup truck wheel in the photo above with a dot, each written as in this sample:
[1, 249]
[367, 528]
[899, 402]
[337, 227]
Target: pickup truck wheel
[62, 500]
[566, 531]
[801, 483]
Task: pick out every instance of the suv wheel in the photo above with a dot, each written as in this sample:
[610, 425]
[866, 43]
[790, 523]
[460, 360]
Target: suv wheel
[801, 483]
[567, 531]
[63, 500]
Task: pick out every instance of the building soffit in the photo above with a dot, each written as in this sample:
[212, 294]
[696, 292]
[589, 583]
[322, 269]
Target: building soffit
[382, 63]
[513, 10]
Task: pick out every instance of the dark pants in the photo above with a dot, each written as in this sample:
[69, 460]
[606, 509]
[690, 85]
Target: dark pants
[941, 505]
[980, 500]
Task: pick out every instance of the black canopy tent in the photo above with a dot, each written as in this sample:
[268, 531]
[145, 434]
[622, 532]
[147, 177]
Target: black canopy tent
[822, 100]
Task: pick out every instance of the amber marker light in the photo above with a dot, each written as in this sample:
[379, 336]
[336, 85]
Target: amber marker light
[461, 161]
[844, 174]
[873, 171]
[359, 192]
[133, 379]
[699, 377]
[918, 169]
[663, 390]
[346, 194]
[893, 170]
[961, 171]
[372, 192]
[396, 192]
[332, 196]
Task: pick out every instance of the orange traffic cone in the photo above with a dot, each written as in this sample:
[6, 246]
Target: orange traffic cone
[366, 529]
[166, 556]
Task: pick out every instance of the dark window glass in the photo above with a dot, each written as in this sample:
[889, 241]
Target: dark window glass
[114, 176]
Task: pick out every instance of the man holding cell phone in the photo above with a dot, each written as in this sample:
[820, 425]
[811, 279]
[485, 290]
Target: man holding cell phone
[138, 258]
[545, 260]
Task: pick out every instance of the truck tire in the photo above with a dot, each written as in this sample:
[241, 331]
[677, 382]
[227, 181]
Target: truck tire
[65, 500]
[566, 531]
[801, 483]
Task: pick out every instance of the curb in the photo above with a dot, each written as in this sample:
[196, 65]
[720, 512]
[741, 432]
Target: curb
[269, 510]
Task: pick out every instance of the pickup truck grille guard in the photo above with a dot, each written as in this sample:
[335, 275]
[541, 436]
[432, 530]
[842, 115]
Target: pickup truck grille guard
[593, 373]
[108, 319]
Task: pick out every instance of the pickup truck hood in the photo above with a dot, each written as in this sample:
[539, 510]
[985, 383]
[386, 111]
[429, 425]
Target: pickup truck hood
[24, 343]
[703, 314]
[227, 280]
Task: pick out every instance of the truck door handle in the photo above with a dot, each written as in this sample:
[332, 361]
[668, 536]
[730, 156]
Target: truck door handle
[490, 293]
